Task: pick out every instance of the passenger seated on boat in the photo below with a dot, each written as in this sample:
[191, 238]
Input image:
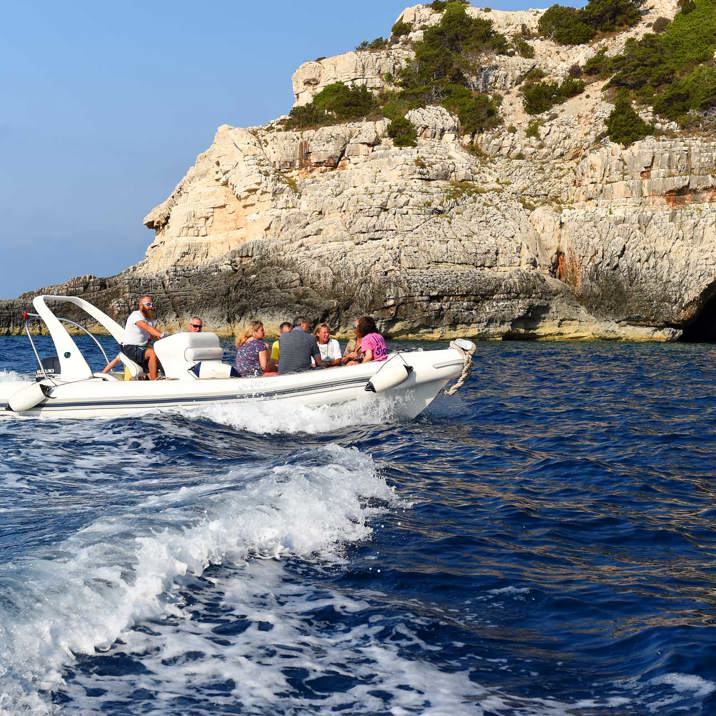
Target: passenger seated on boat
[112, 364]
[297, 347]
[329, 347]
[252, 356]
[195, 325]
[370, 344]
[285, 327]
[138, 331]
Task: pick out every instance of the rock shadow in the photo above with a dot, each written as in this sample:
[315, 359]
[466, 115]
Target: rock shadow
[702, 327]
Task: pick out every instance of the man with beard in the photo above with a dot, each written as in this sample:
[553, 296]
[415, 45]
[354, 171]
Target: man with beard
[137, 334]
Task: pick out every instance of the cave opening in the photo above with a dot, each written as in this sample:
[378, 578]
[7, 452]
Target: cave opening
[702, 328]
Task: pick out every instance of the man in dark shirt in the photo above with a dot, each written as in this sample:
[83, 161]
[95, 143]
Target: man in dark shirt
[297, 347]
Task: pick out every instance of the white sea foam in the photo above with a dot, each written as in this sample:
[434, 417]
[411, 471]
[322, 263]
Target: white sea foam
[686, 683]
[10, 376]
[511, 591]
[267, 633]
[182, 657]
[278, 417]
[78, 598]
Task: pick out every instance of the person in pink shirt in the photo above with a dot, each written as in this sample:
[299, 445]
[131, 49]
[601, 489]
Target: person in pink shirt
[370, 344]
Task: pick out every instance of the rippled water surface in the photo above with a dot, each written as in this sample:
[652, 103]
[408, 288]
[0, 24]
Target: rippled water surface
[543, 543]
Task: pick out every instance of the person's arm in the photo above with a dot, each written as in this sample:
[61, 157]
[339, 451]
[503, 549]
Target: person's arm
[153, 332]
[334, 354]
[316, 354]
[264, 360]
[367, 349]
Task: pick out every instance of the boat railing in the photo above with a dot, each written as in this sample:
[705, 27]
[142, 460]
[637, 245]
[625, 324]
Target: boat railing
[69, 322]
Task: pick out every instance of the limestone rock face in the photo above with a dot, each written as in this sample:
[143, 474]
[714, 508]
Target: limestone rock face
[369, 68]
[640, 236]
[538, 228]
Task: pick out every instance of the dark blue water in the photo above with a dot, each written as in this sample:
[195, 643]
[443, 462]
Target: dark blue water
[544, 543]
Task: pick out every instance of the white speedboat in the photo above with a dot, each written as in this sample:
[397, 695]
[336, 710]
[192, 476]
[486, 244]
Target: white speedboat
[65, 386]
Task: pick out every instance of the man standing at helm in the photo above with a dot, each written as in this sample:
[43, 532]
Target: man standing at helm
[137, 334]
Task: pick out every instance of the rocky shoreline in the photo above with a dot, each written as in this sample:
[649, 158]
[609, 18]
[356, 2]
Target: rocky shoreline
[534, 229]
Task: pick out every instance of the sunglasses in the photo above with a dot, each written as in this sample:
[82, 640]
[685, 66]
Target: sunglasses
[148, 305]
[198, 326]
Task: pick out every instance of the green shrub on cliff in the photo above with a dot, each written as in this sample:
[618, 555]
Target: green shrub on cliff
[336, 102]
[402, 132]
[599, 65]
[345, 102]
[565, 26]
[523, 48]
[440, 5]
[695, 92]
[624, 125]
[538, 97]
[371, 45]
[476, 112]
[610, 15]
[673, 71]
[451, 47]
[448, 54]
[401, 28]
[572, 26]
[532, 129]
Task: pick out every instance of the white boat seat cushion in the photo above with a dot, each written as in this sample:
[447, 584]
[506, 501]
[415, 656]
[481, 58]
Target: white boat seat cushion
[194, 355]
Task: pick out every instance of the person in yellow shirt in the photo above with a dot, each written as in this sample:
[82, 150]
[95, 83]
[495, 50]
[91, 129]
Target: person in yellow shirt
[285, 327]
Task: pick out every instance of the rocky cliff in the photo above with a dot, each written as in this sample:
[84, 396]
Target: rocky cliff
[539, 227]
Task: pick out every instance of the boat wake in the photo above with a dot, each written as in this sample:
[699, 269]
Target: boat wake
[10, 376]
[77, 597]
[270, 418]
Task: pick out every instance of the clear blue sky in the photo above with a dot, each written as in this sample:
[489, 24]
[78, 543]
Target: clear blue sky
[104, 106]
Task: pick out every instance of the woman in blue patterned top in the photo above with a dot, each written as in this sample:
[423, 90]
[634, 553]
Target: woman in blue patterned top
[252, 357]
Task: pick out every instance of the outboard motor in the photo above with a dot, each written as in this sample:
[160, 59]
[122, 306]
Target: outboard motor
[50, 366]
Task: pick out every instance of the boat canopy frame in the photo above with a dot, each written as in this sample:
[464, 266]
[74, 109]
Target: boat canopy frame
[73, 365]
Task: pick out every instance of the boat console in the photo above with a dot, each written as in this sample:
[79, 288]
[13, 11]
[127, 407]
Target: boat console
[180, 353]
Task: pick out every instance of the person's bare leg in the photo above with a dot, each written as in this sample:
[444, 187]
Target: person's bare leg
[115, 362]
[151, 357]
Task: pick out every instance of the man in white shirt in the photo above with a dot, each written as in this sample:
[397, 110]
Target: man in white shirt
[138, 331]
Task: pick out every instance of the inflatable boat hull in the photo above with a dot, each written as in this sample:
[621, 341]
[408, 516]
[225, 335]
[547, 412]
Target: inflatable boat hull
[106, 397]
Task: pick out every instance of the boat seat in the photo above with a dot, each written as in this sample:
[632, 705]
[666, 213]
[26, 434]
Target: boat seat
[180, 352]
[194, 355]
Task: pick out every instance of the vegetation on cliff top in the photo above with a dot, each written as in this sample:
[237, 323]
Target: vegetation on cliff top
[572, 26]
[445, 59]
[336, 102]
[673, 71]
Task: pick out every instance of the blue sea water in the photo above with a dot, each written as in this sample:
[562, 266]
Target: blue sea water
[543, 543]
